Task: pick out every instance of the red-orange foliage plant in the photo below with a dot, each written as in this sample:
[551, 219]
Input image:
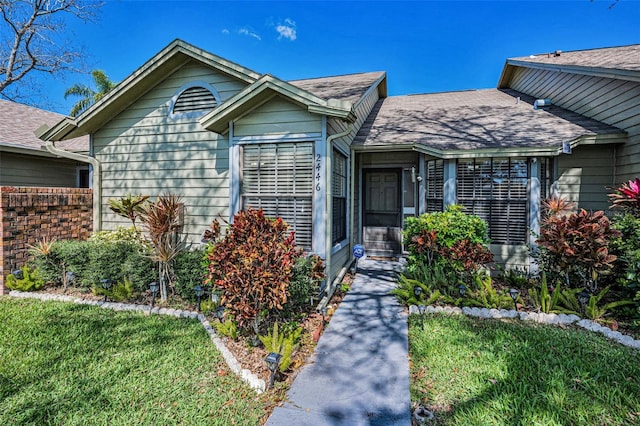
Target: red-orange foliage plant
[253, 265]
[578, 244]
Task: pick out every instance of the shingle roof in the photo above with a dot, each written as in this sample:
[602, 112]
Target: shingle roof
[349, 87]
[619, 58]
[18, 123]
[477, 119]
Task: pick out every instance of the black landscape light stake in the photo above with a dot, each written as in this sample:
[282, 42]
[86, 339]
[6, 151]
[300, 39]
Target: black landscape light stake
[106, 284]
[199, 292]
[417, 291]
[323, 311]
[462, 289]
[422, 309]
[514, 295]
[273, 360]
[220, 313]
[583, 299]
[215, 298]
[18, 274]
[154, 287]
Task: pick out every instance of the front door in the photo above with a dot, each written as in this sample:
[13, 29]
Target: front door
[382, 213]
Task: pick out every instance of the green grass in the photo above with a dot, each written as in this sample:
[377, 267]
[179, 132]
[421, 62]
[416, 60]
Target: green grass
[69, 364]
[490, 372]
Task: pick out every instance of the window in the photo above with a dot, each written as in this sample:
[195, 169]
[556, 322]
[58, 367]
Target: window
[434, 184]
[339, 189]
[83, 177]
[496, 190]
[545, 178]
[193, 100]
[278, 178]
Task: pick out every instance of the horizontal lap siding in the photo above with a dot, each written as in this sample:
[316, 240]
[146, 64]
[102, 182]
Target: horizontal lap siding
[277, 117]
[611, 101]
[585, 176]
[143, 151]
[23, 170]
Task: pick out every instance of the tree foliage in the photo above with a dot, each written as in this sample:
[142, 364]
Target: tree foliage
[88, 95]
[33, 38]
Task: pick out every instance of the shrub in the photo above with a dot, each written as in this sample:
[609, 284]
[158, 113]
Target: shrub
[307, 272]
[190, 269]
[253, 266]
[120, 292]
[627, 247]
[130, 207]
[284, 343]
[30, 281]
[576, 246]
[627, 197]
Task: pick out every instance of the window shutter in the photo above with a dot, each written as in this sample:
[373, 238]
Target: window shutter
[496, 191]
[278, 178]
[434, 185]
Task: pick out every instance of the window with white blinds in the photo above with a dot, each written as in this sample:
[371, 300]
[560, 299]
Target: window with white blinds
[434, 185]
[339, 197]
[496, 190]
[278, 178]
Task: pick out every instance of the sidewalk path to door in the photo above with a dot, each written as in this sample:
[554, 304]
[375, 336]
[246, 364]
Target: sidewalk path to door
[359, 373]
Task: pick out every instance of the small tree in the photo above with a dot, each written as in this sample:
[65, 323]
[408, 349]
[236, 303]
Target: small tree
[162, 220]
[253, 266]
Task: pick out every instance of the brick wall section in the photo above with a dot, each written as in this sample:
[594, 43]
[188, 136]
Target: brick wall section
[28, 215]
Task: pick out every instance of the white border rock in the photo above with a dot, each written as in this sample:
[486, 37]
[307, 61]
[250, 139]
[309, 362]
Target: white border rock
[551, 319]
[254, 381]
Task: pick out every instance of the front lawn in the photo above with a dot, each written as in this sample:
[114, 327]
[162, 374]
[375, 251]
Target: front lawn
[62, 363]
[489, 372]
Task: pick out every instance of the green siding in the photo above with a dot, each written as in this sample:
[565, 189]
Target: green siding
[26, 170]
[585, 176]
[144, 151]
[277, 117]
[612, 101]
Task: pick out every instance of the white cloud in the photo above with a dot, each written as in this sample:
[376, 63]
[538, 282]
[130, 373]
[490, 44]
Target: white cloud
[225, 31]
[247, 32]
[287, 30]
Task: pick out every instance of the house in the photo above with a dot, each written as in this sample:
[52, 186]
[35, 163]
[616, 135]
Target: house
[343, 163]
[23, 162]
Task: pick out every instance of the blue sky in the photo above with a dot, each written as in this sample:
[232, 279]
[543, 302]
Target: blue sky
[425, 46]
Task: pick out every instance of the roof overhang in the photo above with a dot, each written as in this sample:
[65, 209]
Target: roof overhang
[21, 150]
[540, 151]
[619, 74]
[168, 60]
[264, 89]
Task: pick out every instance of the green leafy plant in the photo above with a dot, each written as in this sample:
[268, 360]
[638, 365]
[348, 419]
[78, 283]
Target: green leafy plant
[405, 292]
[130, 207]
[284, 343]
[553, 302]
[120, 292]
[227, 328]
[516, 278]
[30, 281]
[307, 273]
[487, 296]
[190, 271]
[597, 312]
[253, 265]
[577, 245]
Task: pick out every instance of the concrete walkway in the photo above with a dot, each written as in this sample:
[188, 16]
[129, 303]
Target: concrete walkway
[359, 374]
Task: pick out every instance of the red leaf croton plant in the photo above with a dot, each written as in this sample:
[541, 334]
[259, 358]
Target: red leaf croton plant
[627, 196]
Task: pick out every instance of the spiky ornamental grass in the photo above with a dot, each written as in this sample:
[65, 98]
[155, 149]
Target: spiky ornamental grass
[490, 372]
[69, 364]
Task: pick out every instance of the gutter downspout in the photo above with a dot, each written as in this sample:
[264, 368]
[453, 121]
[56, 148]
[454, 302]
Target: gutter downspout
[97, 186]
[329, 194]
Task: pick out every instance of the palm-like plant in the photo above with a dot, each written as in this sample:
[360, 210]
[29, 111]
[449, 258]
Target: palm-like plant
[131, 207]
[162, 221]
[88, 96]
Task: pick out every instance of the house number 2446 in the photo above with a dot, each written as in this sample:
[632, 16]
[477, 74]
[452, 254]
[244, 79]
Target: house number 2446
[318, 168]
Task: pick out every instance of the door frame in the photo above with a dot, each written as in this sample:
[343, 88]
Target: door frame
[399, 198]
